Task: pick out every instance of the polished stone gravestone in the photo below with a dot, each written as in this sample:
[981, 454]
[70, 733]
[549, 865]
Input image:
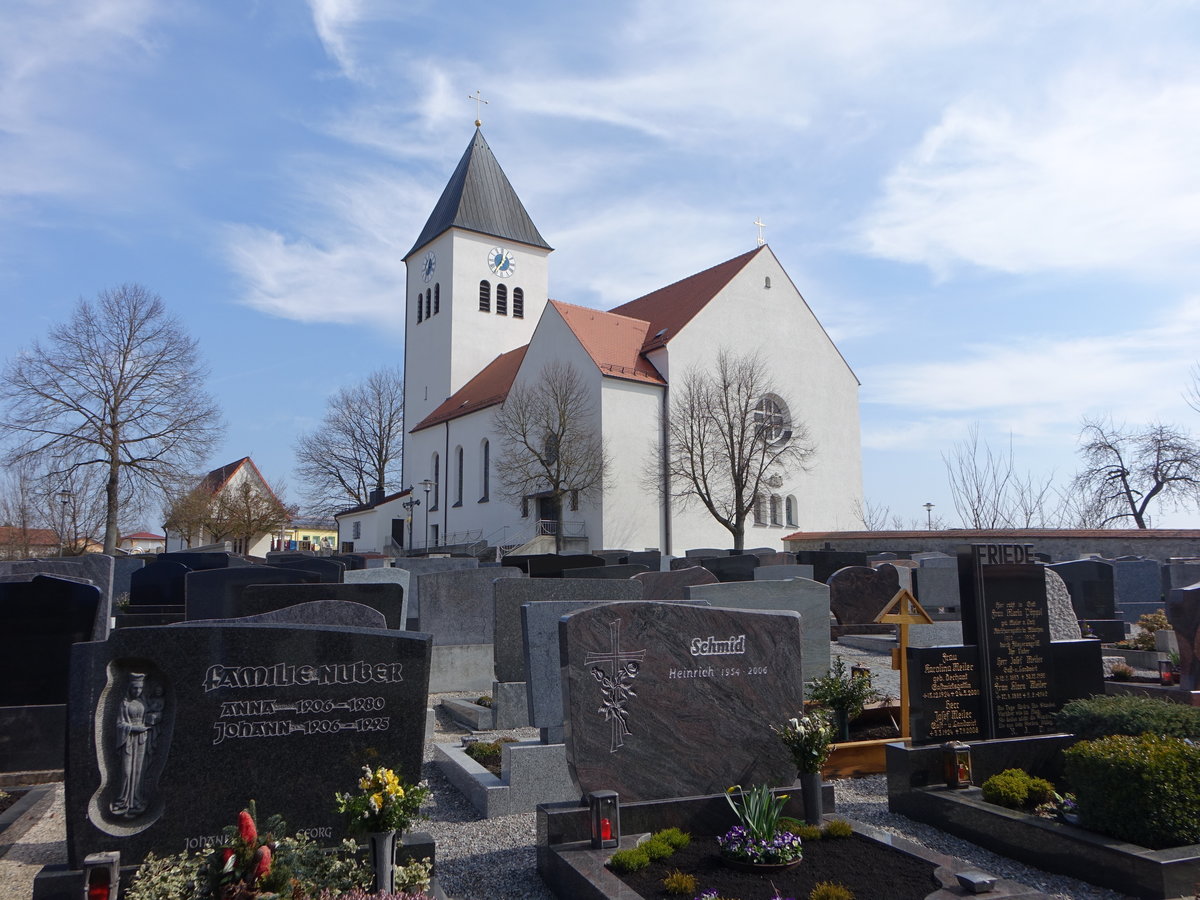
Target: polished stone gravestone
[217, 593]
[857, 594]
[510, 594]
[945, 694]
[1183, 612]
[732, 568]
[95, 567]
[123, 569]
[1137, 586]
[327, 571]
[352, 561]
[704, 552]
[826, 562]
[179, 726]
[458, 609]
[651, 559]
[198, 560]
[553, 565]
[609, 573]
[341, 613]
[780, 572]
[387, 575]
[1090, 583]
[421, 566]
[884, 556]
[1179, 573]
[387, 599]
[40, 620]
[160, 583]
[904, 571]
[672, 700]
[685, 562]
[661, 586]
[612, 557]
[809, 599]
[935, 582]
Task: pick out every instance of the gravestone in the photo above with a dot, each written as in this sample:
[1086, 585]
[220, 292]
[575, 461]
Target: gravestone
[1183, 612]
[1064, 626]
[858, 594]
[1137, 585]
[327, 571]
[217, 593]
[780, 572]
[123, 569]
[684, 562]
[552, 565]
[160, 583]
[809, 599]
[704, 553]
[826, 562]
[1090, 583]
[1180, 573]
[387, 599]
[352, 561]
[651, 559]
[198, 561]
[95, 567]
[610, 573]
[422, 565]
[512, 593]
[935, 581]
[672, 700]
[339, 613]
[179, 726]
[662, 586]
[775, 558]
[459, 611]
[732, 568]
[612, 557]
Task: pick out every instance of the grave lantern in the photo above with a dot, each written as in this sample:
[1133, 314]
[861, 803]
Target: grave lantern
[101, 876]
[956, 764]
[1166, 672]
[605, 812]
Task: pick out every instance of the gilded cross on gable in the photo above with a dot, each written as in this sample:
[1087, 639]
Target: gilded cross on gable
[761, 225]
[614, 685]
[480, 103]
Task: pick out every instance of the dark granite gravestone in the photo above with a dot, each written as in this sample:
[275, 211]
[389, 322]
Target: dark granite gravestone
[509, 652]
[685, 562]
[826, 562]
[552, 565]
[661, 586]
[935, 583]
[612, 557]
[95, 567]
[197, 561]
[327, 570]
[672, 700]
[781, 572]
[858, 594]
[160, 583]
[216, 593]
[944, 689]
[704, 552]
[417, 565]
[1183, 612]
[651, 559]
[1137, 587]
[732, 568]
[1090, 582]
[610, 573]
[775, 558]
[338, 613]
[123, 569]
[179, 726]
[387, 599]
[352, 561]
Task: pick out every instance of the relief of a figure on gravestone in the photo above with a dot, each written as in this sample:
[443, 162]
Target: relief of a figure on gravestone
[615, 686]
[138, 718]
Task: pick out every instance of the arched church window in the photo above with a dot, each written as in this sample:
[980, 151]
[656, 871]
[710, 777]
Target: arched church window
[518, 303]
[485, 296]
[759, 518]
[485, 454]
[428, 297]
[501, 300]
[772, 420]
[437, 298]
[458, 476]
[437, 482]
[776, 519]
[420, 308]
[789, 510]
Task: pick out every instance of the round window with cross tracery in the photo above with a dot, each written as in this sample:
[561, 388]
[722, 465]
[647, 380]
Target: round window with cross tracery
[772, 420]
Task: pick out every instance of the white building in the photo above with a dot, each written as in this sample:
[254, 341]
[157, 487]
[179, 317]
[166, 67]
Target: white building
[479, 321]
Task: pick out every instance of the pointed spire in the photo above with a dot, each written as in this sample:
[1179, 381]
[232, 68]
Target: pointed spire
[480, 198]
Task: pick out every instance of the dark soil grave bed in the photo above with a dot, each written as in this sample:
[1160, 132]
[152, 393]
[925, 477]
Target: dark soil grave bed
[8, 798]
[868, 868]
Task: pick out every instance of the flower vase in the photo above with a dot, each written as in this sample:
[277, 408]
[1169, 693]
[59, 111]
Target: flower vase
[841, 725]
[383, 860]
[810, 788]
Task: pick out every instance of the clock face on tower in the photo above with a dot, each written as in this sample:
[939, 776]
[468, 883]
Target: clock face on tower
[428, 265]
[501, 262]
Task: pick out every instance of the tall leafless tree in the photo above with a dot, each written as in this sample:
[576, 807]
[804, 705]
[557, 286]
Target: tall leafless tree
[550, 444]
[21, 510]
[726, 434]
[1125, 469]
[990, 492]
[117, 388]
[358, 447]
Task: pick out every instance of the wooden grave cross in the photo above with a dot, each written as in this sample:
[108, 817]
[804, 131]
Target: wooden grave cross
[903, 610]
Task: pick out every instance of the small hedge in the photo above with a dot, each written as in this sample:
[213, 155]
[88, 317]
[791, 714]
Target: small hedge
[1145, 789]
[1017, 789]
[1102, 716]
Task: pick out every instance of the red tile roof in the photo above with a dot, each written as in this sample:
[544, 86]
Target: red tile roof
[142, 536]
[11, 535]
[214, 482]
[614, 342]
[486, 389]
[670, 308]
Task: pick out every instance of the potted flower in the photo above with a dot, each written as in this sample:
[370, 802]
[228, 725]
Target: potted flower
[383, 808]
[844, 694]
[761, 840]
[809, 737]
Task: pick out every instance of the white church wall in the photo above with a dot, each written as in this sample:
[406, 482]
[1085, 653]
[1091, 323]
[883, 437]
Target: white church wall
[632, 513]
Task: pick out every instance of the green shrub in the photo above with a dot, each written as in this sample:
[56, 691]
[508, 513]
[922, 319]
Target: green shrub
[625, 861]
[485, 700]
[678, 882]
[837, 828]
[1143, 789]
[1102, 716]
[1039, 791]
[487, 752]
[807, 832]
[675, 837]
[1010, 789]
[830, 890]
[656, 848]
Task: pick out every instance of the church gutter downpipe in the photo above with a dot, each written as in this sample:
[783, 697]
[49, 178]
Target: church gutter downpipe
[666, 470]
[444, 499]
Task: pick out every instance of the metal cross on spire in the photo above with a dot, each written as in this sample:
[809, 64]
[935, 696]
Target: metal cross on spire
[761, 225]
[480, 103]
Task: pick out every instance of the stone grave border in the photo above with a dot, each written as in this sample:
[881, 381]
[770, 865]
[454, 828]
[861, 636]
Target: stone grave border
[527, 767]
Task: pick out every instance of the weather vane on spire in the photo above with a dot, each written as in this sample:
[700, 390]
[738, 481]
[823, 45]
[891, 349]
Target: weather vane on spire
[480, 103]
[761, 225]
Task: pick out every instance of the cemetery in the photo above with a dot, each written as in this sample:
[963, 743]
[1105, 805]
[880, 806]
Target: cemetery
[929, 727]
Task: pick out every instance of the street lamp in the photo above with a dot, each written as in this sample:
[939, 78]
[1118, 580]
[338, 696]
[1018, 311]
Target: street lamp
[64, 497]
[428, 484]
[929, 516]
[408, 508]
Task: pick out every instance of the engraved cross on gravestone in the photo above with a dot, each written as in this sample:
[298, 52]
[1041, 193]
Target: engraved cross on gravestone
[615, 687]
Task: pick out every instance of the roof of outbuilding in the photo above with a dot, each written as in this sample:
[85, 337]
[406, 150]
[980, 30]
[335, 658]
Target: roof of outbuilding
[488, 388]
[480, 198]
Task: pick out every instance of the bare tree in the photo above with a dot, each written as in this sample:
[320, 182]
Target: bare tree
[989, 492]
[188, 512]
[358, 447]
[21, 511]
[550, 445]
[245, 512]
[117, 388]
[727, 432]
[1125, 470]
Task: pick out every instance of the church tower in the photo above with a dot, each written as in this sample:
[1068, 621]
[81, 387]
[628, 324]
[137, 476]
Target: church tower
[476, 285]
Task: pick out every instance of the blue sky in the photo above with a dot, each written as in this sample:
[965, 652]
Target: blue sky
[993, 208]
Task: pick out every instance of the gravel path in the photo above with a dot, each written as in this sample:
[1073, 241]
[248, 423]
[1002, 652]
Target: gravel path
[494, 859]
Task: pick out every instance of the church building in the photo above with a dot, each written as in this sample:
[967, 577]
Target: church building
[480, 322]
